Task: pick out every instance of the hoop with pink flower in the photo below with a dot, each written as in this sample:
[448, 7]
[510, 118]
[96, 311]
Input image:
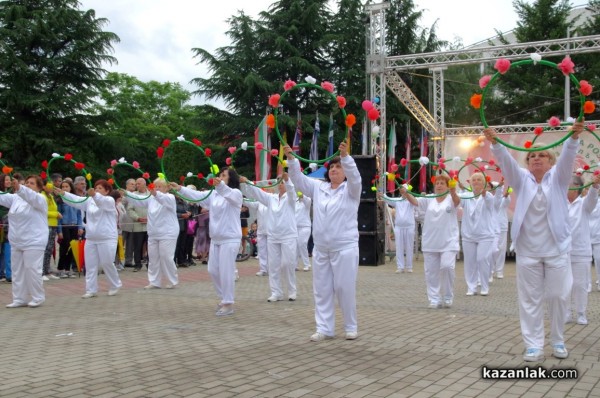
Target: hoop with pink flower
[257, 147]
[586, 169]
[79, 166]
[167, 148]
[122, 163]
[567, 67]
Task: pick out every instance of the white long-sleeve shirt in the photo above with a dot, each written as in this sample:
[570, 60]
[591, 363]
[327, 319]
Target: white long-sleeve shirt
[100, 216]
[478, 221]
[501, 207]
[579, 214]
[335, 211]
[554, 186]
[303, 212]
[280, 216]
[162, 214]
[595, 225]
[405, 213]
[27, 218]
[224, 205]
[261, 212]
[440, 225]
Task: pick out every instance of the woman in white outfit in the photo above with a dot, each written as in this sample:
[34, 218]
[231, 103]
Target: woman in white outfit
[27, 218]
[502, 197]
[335, 233]
[542, 243]
[282, 235]
[304, 225]
[261, 236]
[439, 242]
[478, 231]
[404, 232]
[223, 205]
[580, 209]
[595, 239]
[163, 230]
[100, 236]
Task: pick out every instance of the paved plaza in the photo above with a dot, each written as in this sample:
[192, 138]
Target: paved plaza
[169, 343]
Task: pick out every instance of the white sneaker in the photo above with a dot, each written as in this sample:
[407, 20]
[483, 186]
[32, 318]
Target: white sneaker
[491, 280]
[113, 292]
[151, 287]
[292, 297]
[35, 303]
[45, 278]
[581, 319]
[499, 275]
[89, 295]
[409, 270]
[569, 318]
[433, 305]
[274, 298]
[400, 271]
[447, 303]
[261, 273]
[533, 355]
[320, 337]
[306, 269]
[15, 304]
[470, 293]
[53, 277]
[559, 351]
[484, 292]
[351, 335]
[169, 286]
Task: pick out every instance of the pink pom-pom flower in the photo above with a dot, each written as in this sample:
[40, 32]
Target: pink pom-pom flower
[502, 65]
[110, 171]
[469, 161]
[591, 127]
[328, 86]
[231, 149]
[483, 82]
[596, 172]
[585, 88]
[566, 66]
[554, 121]
[228, 161]
[492, 162]
[403, 162]
[146, 175]
[341, 101]
[113, 163]
[394, 167]
[258, 145]
[135, 165]
[538, 130]
[274, 152]
[274, 100]
[289, 84]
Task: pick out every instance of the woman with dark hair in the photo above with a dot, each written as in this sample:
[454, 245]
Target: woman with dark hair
[335, 231]
[101, 235]
[27, 216]
[70, 227]
[224, 206]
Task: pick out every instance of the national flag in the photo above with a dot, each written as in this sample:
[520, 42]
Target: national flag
[330, 150]
[297, 136]
[423, 172]
[262, 165]
[391, 155]
[314, 144]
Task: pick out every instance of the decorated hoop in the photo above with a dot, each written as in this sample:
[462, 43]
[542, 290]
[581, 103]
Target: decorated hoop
[197, 144]
[114, 164]
[566, 67]
[46, 165]
[257, 147]
[325, 87]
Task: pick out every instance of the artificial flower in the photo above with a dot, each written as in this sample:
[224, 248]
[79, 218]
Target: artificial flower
[180, 138]
[55, 155]
[228, 161]
[151, 186]
[554, 121]
[207, 152]
[271, 120]
[211, 181]
[284, 163]
[159, 152]
[42, 174]
[181, 179]
[200, 175]
[135, 165]
[390, 176]
[197, 142]
[579, 171]
[350, 120]
[586, 167]
[375, 129]
[538, 130]
[289, 84]
[231, 149]
[258, 145]
[147, 176]
[310, 80]
[535, 57]
[476, 101]
[341, 101]
[394, 167]
[403, 162]
[45, 164]
[113, 163]
[244, 146]
[7, 170]
[596, 172]
[166, 142]
[484, 81]
[88, 176]
[110, 171]
[111, 181]
[160, 175]
[488, 179]
[589, 107]
[79, 165]
[423, 160]
[122, 160]
[274, 100]
[328, 86]
[585, 88]
[492, 162]
[566, 66]
[468, 160]
[214, 169]
[442, 165]
[478, 159]
[373, 114]
[432, 179]
[68, 157]
[189, 174]
[274, 152]
[456, 159]
[452, 184]
[591, 127]
[527, 144]
[502, 65]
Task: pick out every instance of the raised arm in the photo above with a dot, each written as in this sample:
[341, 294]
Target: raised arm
[167, 200]
[511, 170]
[254, 192]
[305, 184]
[233, 196]
[352, 174]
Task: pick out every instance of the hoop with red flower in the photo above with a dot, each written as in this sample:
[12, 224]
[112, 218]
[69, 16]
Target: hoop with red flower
[586, 169]
[167, 147]
[567, 67]
[258, 149]
[325, 88]
[79, 166]
[113, 180]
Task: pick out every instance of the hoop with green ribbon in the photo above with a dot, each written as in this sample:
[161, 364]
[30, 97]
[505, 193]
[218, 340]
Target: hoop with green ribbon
[79, 166]
[114, 164]
[244, 147]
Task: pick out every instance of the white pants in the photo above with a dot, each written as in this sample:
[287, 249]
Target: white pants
[500, 256]
[282, 265]
[261, 248]
[543, 280]
[439, 275]
[27, 268]
[161, 261]
[100, 255]
[221, 267]
[303, 236]
[596, 254]
[405, 245]
[579, 292]
[334, 276]
[478, 256]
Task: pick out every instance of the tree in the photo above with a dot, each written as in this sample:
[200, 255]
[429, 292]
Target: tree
[51, 68]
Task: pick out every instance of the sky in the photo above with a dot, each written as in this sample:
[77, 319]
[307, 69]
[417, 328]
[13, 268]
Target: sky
[157, 35]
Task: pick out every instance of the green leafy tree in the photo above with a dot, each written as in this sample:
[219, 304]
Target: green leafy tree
[52, 56]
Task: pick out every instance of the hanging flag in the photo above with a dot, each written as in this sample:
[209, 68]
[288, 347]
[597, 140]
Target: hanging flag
[314, 144]
[262, 165]
[297, 136]
[330, 150]
[391, 155]
[423, 172]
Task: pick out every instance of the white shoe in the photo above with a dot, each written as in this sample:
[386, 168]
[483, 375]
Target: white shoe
[113, 292]
[45, 278]
[151, 287]
[484, 292]
[409, 270]
[533, 355]
[447, 303]
[581, 319]
[292, 297]
[35, 303]
[569, 318]
[400, 271]
[237, 275]
[491, 280]
[53, 277]
[470, 293]
[261, 273]
[89, 295]
[499, 275]
[320, 337]
[559, 351]
[169, 286]
[433, 305]
[274, 298]
[15, 304]
[306, 269]
[351, 335]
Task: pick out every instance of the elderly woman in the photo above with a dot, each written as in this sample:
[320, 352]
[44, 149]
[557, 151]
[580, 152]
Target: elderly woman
[27, 233]
[439, 242]
[542, 243]
[335, 232]
[101, 235]
[163, 230]
[224, 206]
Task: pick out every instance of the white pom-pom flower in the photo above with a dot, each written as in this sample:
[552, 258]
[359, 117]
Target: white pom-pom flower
[122, 160]
[244, 145]
[456, 159]
[478, 159]
[55, 155]
[189, 174]
[487, 166]
[570, 119]
[423, 160]
[181, 138]
[312, 166]
[535, 57]
[375, 129]
[310, 80]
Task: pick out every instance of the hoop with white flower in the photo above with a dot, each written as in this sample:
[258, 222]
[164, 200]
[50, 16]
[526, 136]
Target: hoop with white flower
[566, 66]
[79, 166]
[113, 180]
[257, 147]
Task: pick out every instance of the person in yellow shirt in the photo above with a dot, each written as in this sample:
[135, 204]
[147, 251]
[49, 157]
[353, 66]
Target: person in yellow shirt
[53, 217]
